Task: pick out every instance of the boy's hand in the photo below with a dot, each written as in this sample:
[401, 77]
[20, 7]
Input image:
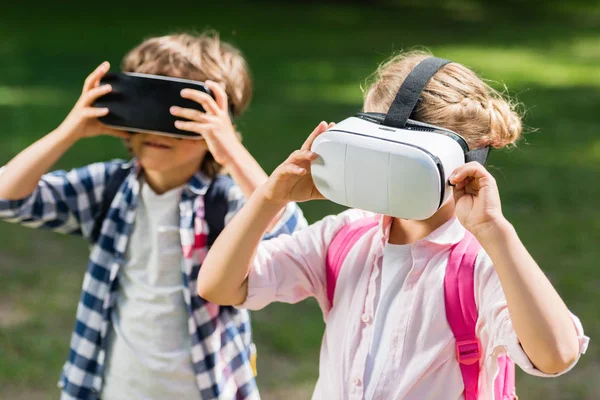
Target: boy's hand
[82, 121]
[214, 124]
[476, 197]
[292, 180]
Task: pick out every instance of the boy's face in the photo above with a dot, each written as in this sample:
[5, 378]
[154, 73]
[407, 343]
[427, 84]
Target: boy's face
[166, 154]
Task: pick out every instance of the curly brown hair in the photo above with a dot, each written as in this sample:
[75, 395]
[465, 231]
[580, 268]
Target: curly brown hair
[198, 57]
[455, 98]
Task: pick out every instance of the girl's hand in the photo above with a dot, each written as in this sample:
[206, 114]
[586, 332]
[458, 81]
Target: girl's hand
[214, 124]
[82, 121]
[476, 197]
[292, 180]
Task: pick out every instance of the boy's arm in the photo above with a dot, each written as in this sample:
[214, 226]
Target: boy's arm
[65, 202]
[217, 129]
[21, 175]
[28, 198]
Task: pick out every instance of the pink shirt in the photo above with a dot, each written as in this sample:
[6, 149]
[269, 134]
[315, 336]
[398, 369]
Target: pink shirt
[421, 363]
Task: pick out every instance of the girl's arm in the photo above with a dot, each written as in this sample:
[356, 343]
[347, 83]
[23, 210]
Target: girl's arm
[223, 276]
[540, 318]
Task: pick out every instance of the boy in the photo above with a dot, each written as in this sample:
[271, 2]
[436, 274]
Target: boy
[141, 330]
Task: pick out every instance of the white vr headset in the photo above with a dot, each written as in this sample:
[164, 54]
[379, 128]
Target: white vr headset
[388, 163]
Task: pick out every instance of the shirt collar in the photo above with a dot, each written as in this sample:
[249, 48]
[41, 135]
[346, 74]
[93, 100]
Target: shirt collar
[198, 183]
[449, 233]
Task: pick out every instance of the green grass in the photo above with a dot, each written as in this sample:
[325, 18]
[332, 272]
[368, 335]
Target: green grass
[309, 60]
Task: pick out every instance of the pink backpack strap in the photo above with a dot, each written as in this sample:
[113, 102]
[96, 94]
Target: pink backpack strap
[461, 310]
[504, 386]
[340, 246]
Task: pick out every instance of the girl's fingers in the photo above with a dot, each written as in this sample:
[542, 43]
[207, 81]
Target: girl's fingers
[470, 189]
[191, 114]
[93, 79]
[207, 102]
[299, 156]
[463, 183]
[322, 127]
[458, 194]
[472, 169]
[220, 95]
[93, 94]
[288, 170]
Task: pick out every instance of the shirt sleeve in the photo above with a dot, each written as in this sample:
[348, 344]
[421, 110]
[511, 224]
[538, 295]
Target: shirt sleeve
[495, 319]
[291, 268]
[64, 201]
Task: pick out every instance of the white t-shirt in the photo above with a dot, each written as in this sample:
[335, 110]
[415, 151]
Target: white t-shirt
[149, 345]
[396, 263]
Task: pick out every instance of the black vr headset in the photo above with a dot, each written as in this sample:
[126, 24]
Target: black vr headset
[141, 103]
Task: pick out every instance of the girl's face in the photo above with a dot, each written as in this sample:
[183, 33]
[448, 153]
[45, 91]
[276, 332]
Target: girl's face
[166, 154]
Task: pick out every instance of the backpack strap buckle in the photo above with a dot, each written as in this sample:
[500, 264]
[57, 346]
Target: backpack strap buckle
[468, 351]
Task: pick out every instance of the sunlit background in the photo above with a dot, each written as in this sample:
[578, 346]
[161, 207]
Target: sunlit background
[309, 59]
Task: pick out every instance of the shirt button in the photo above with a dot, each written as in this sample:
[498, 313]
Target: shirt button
[366, 318]
[357, 382]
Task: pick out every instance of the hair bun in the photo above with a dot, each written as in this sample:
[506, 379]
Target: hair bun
[505, 123]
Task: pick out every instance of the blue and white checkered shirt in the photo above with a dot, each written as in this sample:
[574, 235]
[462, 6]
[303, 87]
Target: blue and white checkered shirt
[68, 202]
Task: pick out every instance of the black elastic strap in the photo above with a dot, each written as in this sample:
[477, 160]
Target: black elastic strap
[410, 91]
[110, 191]
[479, 155]
[216, 206]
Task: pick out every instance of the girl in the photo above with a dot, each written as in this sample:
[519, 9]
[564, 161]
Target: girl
[387, 336]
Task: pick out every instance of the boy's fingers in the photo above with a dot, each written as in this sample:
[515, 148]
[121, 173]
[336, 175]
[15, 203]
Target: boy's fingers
[207, 102]
[92, 80]
[220, 95]
[194, 115]
[117, 133]
[322, 127]
[93, 112]
[95, 93]
[190, 114]
[195, 127]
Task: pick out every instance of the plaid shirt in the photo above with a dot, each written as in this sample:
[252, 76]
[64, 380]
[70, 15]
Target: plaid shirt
[68, 202]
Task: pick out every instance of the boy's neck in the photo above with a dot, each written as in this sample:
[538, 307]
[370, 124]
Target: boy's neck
[405, 231]
[163, 181]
